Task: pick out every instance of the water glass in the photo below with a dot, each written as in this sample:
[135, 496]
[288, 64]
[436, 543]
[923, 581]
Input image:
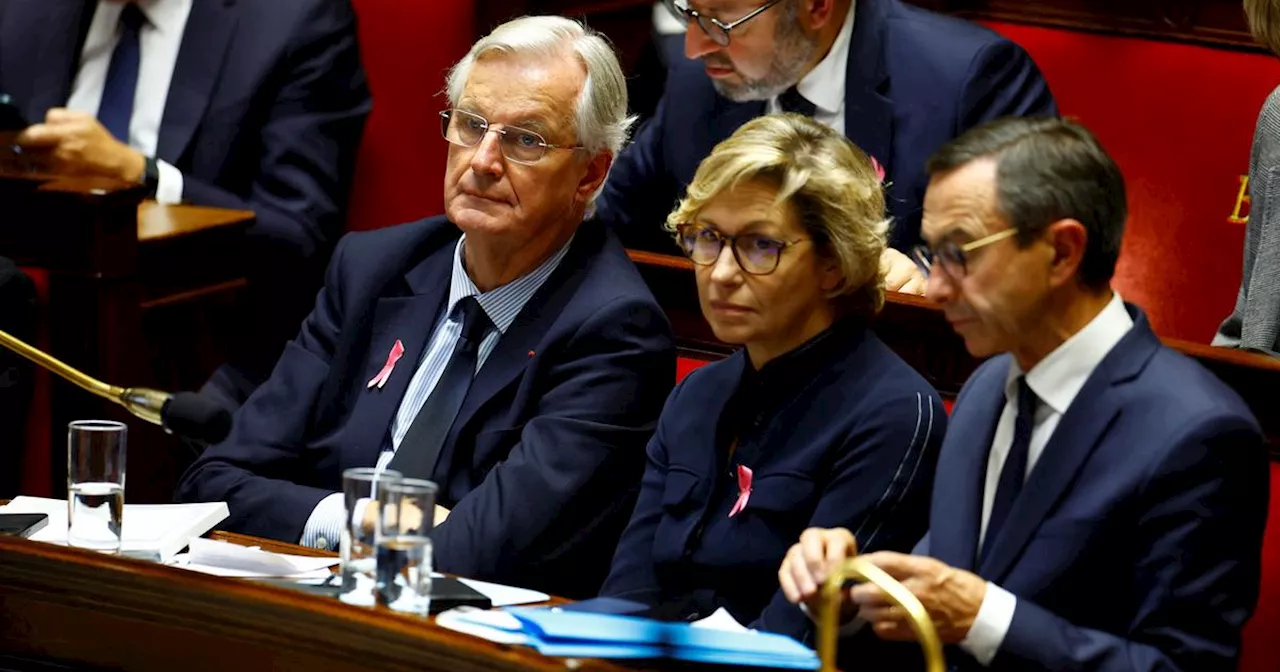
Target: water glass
[404, 550]
[360, 489]
[95, 484]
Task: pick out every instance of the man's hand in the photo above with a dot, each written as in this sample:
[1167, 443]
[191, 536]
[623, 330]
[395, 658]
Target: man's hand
[807, 564]
[75, 143]
[951, 596]
[900, 273]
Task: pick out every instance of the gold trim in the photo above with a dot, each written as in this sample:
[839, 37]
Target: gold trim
[861, 570]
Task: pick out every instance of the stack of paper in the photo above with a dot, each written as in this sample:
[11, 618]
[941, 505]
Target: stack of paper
[557, 632]
[151, 531]
[220, 558]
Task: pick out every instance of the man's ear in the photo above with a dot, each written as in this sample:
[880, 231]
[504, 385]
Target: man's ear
[1068, 238]
[816, 14]
[597, 170]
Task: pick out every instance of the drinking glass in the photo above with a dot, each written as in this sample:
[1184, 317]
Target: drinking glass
[404, 545]
[361, 488]
[95, 484]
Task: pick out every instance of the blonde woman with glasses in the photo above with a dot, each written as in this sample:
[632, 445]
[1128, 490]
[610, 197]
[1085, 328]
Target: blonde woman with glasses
[813, 421]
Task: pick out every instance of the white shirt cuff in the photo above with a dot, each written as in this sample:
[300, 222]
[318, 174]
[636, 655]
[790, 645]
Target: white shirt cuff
[324, 526]
[169, 188]
[991, 624]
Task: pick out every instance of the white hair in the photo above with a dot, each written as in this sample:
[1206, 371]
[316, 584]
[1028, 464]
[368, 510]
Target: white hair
[601, 117]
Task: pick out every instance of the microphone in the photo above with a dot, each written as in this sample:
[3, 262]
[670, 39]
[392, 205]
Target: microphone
[185, 414]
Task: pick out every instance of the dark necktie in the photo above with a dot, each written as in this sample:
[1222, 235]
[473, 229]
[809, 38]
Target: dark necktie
[420, 448]
[116, 108]
[1014, 472]
[791, 101]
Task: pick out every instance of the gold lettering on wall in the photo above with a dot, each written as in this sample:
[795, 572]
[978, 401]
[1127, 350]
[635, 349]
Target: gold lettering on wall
[1239, 215]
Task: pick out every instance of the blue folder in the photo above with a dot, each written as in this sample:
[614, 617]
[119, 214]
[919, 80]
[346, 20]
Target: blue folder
[556, 632]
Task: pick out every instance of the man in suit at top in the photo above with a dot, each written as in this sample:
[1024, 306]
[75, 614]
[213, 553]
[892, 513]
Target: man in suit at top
[896, 80]
[229, 103]
[539, 457]
[1100, 499]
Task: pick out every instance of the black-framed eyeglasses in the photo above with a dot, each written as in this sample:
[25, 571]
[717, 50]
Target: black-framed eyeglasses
[951, 257]
[518, 144]
[756, 254]
[715, 29]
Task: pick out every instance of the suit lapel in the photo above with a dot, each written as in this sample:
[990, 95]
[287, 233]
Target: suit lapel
[868, 114]
[46, 37]
[210, 28]
[409, 319]
[1078, 433]
[961, 471]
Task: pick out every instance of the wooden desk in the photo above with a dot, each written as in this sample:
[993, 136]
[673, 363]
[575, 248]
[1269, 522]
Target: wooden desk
[63, 606]
[916, 329]
[128, 284]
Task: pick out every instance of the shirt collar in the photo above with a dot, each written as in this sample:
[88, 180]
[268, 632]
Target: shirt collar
[504, 303]
[1058, 377]
[824, 85]
[164, 15]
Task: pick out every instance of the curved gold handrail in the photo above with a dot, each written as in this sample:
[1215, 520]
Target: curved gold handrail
[861, 570]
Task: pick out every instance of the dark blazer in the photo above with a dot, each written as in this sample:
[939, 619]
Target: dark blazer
[852, 443]
[915, 80]
[265, 113]
[542, 464]
[1136, 542]
[18, 319]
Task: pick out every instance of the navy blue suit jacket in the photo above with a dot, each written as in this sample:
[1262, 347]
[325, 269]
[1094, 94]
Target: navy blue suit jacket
[1136, 542]
[915, 80]
[854, 446]
[542, 465]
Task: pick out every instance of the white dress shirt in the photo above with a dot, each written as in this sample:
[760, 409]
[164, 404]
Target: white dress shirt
[159, 40]
[501, 305]
[825, 84]
[1055, 380]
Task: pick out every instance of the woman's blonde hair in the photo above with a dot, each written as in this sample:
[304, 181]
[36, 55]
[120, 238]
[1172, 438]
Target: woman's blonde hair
[1264, 22]
[831, 183]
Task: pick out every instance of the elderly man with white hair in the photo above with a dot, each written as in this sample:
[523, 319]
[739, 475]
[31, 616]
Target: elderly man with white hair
[506, 350]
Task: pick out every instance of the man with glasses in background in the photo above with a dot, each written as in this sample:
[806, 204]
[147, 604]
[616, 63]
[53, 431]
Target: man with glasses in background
[897, 80]
[1100, 499]
[521, 365]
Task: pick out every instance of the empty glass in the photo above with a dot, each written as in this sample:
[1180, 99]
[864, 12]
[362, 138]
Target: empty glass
[360, 489]
[404, 547]
[95, 484]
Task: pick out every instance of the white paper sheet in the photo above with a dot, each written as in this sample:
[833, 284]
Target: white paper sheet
[221, 558]
[495, 626]
[151, 531]
[720, 620]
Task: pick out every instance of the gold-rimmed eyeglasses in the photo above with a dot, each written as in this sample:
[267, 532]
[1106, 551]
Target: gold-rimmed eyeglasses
[953, 257]
[714, 28]
[520, 145]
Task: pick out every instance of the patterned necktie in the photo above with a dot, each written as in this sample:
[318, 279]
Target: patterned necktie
[792, 101]
[116, 108]
[421, 446]
[1014, 472]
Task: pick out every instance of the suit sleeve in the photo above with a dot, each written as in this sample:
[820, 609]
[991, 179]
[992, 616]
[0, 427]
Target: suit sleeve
[308, 142]
[1003, 81]
[1196, 576]
[581, 452]
[639, 191]
[879, 489]
[632, 575]
[254, 469]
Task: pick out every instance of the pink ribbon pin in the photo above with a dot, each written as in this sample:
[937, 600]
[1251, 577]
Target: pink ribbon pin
[878, 168]
[379, 380]
[744, 490]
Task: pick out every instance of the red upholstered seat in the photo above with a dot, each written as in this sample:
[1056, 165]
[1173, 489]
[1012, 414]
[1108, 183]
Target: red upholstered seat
[407, 47]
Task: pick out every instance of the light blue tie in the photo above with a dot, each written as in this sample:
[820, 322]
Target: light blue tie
[116, 108]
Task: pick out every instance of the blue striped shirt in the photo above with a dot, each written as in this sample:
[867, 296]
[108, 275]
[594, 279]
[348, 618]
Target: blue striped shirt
[501, 305]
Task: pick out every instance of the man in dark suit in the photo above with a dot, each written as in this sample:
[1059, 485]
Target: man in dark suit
[18, 319]
[539, 457]
[895, 79]
[1100, 499]
[236, 104]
